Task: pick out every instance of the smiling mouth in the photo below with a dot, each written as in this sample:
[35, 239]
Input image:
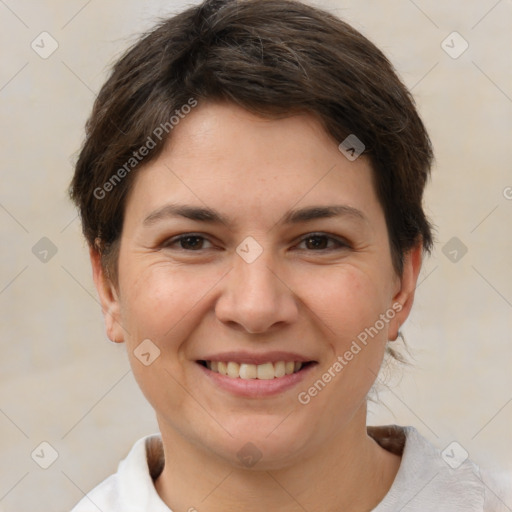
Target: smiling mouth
[265, 371]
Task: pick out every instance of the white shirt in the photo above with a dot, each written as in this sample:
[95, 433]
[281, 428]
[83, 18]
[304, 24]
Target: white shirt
[425, 482]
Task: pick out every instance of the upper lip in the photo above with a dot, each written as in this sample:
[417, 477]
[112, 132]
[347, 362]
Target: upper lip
[254, 358]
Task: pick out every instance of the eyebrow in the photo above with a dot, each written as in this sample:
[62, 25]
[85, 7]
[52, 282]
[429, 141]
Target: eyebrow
[188, 212]
[209, 215]
[322, 212]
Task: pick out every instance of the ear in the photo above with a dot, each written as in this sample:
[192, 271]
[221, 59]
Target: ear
[404, 297]
[109, 298]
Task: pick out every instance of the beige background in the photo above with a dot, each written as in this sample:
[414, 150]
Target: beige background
[62, 382]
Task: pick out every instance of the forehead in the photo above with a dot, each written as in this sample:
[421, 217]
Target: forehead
[227, 158]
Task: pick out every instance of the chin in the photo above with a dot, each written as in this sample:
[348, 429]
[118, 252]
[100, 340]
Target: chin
[264, 444]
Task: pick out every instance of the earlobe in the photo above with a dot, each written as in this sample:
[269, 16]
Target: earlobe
[108, 296]
[404, 298]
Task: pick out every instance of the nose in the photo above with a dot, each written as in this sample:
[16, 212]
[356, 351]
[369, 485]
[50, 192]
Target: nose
[255, 298]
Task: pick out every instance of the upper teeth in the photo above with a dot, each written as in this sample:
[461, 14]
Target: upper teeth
[265, 371]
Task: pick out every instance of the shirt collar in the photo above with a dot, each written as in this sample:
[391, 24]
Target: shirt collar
[425, 481]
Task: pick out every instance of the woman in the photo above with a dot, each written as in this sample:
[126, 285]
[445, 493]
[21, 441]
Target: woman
[251, 191]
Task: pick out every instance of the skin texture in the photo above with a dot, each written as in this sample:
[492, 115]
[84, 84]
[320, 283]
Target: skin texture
[307, 296]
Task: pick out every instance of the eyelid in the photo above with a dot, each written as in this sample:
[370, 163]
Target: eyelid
[171, 241]
[342, 242]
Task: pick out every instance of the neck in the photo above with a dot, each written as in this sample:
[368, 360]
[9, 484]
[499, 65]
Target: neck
[351, 472]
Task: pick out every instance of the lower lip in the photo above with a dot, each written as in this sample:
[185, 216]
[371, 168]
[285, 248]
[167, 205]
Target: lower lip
[256, 388]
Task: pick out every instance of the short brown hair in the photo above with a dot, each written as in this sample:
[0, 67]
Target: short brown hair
[276, 59]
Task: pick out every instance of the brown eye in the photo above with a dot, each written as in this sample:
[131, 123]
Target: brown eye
[317, 242]
[320, 242]
[192, 243]
[187, 242]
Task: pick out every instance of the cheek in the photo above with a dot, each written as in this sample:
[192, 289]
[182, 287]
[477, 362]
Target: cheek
[161, 305]
[164, 304]
[349, 304]
[348, 300]
[168, 306]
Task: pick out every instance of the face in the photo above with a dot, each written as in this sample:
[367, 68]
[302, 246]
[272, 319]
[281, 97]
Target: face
[254, 247]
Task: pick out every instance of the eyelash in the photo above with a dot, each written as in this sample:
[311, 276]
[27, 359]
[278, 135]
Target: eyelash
[341, 244]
